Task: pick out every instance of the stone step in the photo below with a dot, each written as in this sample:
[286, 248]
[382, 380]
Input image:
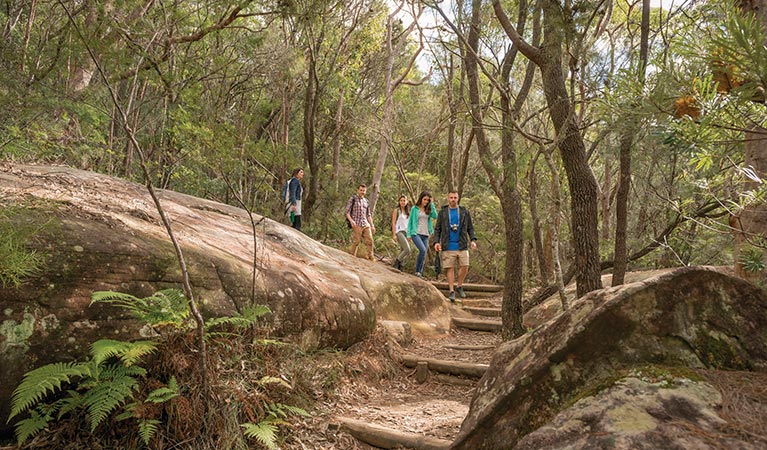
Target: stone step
[485, 312]
[477, 324]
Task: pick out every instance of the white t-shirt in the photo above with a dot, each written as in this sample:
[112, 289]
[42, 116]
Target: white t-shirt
[401, 224]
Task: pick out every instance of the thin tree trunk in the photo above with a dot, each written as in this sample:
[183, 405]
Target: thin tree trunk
[543, 269]
[626, 142]
[555, 214]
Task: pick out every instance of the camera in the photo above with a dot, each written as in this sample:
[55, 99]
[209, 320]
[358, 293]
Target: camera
[454, 226]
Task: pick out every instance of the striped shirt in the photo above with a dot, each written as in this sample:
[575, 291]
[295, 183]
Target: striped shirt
[359, 210]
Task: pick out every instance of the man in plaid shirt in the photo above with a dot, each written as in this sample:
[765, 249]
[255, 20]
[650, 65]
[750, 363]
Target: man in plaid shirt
[359, 216]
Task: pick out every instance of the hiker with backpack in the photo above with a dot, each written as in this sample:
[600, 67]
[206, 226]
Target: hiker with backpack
[360, 219]
[291, 194]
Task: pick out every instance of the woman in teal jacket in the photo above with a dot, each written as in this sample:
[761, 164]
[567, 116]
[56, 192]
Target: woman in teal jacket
[420, 227]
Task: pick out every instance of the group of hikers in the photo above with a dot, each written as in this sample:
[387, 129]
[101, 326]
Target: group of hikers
[452, 233]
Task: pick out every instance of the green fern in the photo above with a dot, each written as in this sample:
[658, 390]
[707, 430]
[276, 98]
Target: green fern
[38, 383]
[168, 307]
[147, 428]
[128, 352]
[282, 411]
[249, 317]
[264, 432]
[107, 396]
[32, 425]
[163, 394]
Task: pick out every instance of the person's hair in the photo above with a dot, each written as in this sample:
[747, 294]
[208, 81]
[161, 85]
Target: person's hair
[452, 192]
[420, 200]
[362, 185]
[406, 209]
[295, 171]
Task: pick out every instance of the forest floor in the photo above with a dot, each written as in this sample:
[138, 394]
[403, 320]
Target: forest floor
[386, 393]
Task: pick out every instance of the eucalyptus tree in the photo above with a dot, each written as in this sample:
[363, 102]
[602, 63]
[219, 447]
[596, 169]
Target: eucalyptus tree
[332, 34]
[548, 57]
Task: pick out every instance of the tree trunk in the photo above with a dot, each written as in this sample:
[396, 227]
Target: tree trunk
[580, 178]
[311, 100]
[543, 268]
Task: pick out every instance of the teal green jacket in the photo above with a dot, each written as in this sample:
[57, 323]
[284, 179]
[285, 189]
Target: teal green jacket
[412, 223]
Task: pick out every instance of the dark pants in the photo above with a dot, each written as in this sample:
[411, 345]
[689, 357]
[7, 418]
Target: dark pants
[297, 222]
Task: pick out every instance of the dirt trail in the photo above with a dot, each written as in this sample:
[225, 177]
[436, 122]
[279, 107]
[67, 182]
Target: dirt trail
[392, 398]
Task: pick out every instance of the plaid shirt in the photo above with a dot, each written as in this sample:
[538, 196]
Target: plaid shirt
[360, 210]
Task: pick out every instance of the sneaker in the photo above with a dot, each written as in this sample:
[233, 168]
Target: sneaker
[418, 274]
[397, 264]
[461, 294]
[451, 296]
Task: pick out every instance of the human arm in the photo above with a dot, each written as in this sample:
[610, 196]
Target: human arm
[349, 206]
[293, 187]
[470, 230]
[438, 232]
[394, 215]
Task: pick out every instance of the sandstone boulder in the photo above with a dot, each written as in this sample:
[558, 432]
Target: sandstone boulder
[103, 233]
[688, 318]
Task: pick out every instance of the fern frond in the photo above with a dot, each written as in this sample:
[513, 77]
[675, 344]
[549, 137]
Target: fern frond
[44, 380]
[104, 398]
[121, 299]
[274, 380]
[281, 410]
[112, 371]
[30, 426]
[128, 352]
[147, 428]
[165, 393]
[71, 403]
[249, 317]
[255, 312]
[165, 307]
[264, 432]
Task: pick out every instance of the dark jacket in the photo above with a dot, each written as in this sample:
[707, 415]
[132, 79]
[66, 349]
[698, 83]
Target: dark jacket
[442, 228]
[295, 191]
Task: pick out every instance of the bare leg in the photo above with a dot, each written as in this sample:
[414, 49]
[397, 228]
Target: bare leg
[462, 271]
[450, 272]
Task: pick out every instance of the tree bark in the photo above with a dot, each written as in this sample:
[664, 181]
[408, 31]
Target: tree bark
[583, 185]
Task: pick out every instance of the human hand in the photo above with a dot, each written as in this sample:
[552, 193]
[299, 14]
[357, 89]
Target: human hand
[473, 245]
[438, 247]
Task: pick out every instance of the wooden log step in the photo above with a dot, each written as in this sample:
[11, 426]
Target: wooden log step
[469, 347]
[468, 287]
[477, 324]
[480, 303]
[383, 437]
[473, 294]
[486, 312]
[445, 366]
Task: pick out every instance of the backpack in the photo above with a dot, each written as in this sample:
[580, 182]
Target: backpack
[351, 208]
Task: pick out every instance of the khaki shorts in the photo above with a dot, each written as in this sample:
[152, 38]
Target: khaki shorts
[454, 258]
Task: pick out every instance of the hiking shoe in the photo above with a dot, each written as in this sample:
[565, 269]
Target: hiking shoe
[397, 264]
[460, 292]
[452, 296]
[418, 274]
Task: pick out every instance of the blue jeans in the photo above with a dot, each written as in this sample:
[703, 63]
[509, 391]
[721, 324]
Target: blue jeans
[421, 242]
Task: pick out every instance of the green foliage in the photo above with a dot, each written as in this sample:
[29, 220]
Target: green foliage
[249, 317]
[17, 261]
[752, 260]
[100, 387]
[265, 431]
[168, 307]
